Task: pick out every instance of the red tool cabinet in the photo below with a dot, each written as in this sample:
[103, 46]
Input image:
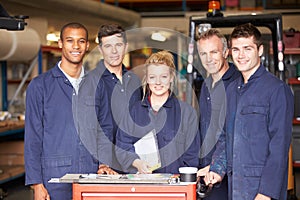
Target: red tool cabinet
[133, 191]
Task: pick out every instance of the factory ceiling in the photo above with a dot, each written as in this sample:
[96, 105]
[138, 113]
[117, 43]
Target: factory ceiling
[143, 6]
[58, 12]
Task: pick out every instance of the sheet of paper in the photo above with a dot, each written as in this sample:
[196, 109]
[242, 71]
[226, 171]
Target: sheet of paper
[147, 149]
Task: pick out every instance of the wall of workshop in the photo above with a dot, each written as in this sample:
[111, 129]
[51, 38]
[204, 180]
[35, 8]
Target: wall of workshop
[181, 24]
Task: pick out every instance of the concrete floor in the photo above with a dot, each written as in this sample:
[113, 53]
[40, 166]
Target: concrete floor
[16, 190]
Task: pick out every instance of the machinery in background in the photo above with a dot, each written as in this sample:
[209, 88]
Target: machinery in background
[271, 21]
[10, 23]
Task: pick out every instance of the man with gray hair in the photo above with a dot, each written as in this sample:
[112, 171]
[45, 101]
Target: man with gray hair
[213, 52]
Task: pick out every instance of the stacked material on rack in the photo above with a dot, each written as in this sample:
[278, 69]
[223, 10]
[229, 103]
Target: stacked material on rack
[11, 160]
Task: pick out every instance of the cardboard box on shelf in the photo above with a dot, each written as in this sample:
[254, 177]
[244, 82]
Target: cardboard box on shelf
[291, 38]
[9, 172]
[11, 160]
[12, 147]
[12, 153]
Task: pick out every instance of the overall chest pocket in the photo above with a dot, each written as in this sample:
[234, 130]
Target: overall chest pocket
[254, 121]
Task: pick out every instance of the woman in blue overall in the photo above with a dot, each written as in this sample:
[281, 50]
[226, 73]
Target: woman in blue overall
[173, 123]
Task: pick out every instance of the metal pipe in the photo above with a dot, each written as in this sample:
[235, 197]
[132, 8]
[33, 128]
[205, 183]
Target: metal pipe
[40, 61]
[189, 91]
[4, 85]
[32, 65]
[183, 5]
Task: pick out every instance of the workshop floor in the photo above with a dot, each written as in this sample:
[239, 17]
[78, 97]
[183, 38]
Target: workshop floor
[15, 190]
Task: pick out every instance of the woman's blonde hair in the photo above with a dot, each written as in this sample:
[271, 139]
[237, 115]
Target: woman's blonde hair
[161, 57]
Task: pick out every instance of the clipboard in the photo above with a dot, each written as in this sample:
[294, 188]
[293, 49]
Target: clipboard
[147, 149]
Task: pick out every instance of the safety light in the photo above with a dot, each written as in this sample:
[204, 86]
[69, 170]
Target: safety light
[213, 5]
[214, 9]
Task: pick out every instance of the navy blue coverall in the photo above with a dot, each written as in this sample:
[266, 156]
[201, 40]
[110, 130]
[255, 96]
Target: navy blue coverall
[176, 126]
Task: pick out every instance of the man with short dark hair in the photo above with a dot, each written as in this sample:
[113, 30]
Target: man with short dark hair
[123, 86]
[258, 125]
[53, 145]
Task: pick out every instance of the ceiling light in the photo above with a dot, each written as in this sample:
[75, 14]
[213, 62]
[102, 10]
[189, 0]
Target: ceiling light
[204, 27]
[157, 36]
[52, 37]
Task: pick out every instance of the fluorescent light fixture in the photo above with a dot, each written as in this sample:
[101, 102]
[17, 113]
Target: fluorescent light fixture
[204, 27]
[157, 36]
[189, 68]
[52, 37]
